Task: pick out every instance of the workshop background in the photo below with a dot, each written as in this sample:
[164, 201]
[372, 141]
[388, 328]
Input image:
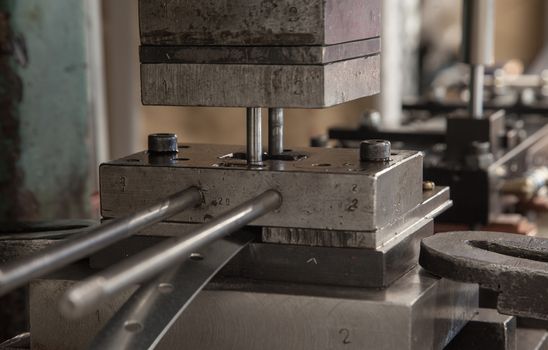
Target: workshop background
[85, 55]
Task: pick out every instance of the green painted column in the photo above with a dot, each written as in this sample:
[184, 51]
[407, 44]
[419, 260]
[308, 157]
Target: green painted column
[44, 110]
[45, 106]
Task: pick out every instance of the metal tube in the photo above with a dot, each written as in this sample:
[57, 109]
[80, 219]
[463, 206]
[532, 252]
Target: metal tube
[477, 77]
[254, 137]
[478, 28]
[478, 32]
[275, 131]
[17, 273]
[85, 295]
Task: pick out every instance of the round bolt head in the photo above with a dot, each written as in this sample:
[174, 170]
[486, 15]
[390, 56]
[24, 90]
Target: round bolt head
[428, 186]
[162, 143]
[375, 151]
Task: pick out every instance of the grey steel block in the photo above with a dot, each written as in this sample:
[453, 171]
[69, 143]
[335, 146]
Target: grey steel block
[257, 22]
[242, 85]
[330, 189]
[260, 54]
[419, 311]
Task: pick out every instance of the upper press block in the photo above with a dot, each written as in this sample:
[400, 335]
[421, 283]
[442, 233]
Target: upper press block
[258, 22]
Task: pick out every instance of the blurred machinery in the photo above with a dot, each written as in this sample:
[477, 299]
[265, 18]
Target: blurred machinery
[483, 134]
[231, 247]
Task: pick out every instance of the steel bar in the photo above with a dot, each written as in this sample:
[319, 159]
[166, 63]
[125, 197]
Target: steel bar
[19, 272]
[254, 136]
[275, 131]
[151, 311]
[87, 294]
[478, 32]
[478, 47]
[477, 77]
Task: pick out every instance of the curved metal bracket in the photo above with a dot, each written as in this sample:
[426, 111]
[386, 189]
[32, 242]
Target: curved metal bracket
[149, 313]
[515, 267]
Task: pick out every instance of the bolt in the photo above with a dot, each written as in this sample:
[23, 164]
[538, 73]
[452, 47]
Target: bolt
[428, 186]
[162, 143]
[375, 151]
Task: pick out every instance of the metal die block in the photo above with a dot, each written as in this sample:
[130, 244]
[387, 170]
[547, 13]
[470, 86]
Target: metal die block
[257, 22]
[330, 189]
[487, 330]
[276, 55]
[241, 85]
[434, 202]
[463, 130]
[361, 267]
[376, 268]
[419, 311]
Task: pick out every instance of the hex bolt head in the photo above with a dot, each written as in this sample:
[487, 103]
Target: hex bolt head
[162, 143]
[375, 151]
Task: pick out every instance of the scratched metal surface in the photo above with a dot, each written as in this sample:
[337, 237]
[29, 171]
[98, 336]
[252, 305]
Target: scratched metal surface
[419, 311]
[330, 189]
[258, 22]
[266, 85]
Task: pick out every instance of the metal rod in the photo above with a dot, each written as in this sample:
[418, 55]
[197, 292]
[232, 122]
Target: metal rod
[275, 131]
[254, 137]
[86, 295]
[478, 32]
[478, 27]
[19, 272]
[477, 77]
[154, 307]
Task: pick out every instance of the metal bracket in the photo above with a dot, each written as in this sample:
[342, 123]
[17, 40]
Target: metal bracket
[149, 313]
[515, 267]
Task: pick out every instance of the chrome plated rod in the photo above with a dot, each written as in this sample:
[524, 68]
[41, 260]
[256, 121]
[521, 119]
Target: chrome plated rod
[254, 137]
[477, 77]
[478, 32]
[19, 272]
[275, 131]
[478, 28]
[86, 295]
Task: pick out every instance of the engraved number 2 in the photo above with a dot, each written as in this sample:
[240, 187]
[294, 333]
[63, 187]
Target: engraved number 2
[346, 336]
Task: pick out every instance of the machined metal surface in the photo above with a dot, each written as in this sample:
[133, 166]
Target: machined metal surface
[275, 85]
[418, 312]
[18, 272]
[532, 339]
[358, 267]
[275, 131]
[512, 265]
[342, 266]
[308, 256]
[280, 55]
[256, 22]
[487, 330]
[151, 311]
[341, 193]
[434, 202]
[139, 268]
[254, 136]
